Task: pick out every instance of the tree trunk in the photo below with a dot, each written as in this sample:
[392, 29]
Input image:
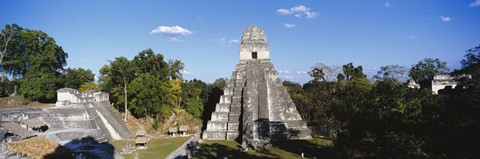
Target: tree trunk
[14, 84]
[125, 92]
[3, 74]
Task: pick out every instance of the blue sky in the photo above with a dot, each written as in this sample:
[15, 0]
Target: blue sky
[300, 33]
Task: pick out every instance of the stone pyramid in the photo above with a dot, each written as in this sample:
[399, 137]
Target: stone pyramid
[255, 105]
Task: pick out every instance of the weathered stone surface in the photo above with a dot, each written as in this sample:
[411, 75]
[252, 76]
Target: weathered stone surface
[256, 106]
[75, 114]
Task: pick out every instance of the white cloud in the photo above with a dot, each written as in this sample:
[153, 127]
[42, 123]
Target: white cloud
[446, 18]
[223, 41]
[301, 72]
[185, 72]
[412, 37]
[220, 40]
[298, 11]
[287, 77]
[174, 39]
[233, 41]
[283, 11]
[284, 72]
[171, 31]
[475, 4]
[311, 15]
[388, 5]
[288, 25]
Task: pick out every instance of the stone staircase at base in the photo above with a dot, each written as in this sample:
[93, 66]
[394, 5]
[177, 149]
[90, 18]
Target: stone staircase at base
[226, 117]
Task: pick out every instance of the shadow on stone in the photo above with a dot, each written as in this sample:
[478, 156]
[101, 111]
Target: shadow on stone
[213, 99]
[86, 147]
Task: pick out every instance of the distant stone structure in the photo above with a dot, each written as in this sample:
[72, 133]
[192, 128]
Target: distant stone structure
[69, 96]
[441, 81]
[412, 84]
[97, 106]
[255, 106]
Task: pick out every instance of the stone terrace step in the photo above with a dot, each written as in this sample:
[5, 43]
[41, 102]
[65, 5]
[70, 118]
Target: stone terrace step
[233, 126]
[236, 100]
[222, 107]
[214, 135]
[220, 116]
[233, 117]
[232, 135]
[217, 125]
[234, 109]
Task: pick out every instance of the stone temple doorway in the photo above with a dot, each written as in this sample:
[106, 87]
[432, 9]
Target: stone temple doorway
[254, 55]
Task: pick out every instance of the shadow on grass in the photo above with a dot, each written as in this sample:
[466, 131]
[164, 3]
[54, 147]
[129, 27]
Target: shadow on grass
[220, 151]
[310, 148]
[321, 149]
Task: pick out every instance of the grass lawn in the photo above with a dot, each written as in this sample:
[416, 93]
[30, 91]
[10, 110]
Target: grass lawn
[157, 148]
[288, 149]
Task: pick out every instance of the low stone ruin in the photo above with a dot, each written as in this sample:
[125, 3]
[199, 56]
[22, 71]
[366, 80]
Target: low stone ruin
[77, 120]
[72, 97]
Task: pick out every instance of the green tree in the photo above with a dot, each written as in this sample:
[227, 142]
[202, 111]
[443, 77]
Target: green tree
[388, 123]
[45, 61]
[220, 83]
[396, 73]
[147, 62]
[14, 56]
[424, 71]
[469, 74]
[146, 95]
[194, 96]
[122, 71]
[89, 86]
[176, 67]
[454, 132]
[350, 72]
[5, 88]
[148, 90]
[6, 35]
[74, 78]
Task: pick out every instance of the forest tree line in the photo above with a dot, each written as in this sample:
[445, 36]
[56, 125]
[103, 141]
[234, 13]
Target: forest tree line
[150, 86]
[384, 118]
